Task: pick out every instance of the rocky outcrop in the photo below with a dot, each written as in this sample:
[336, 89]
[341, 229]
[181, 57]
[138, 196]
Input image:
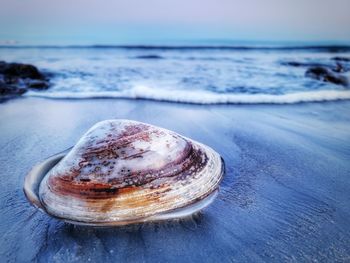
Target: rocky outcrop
[17, 78]
[327, 75]
[332, 71]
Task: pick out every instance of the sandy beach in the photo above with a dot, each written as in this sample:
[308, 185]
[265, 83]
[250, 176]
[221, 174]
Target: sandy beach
[285, 195]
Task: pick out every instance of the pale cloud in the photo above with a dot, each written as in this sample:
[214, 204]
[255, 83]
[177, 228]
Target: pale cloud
[300, 19]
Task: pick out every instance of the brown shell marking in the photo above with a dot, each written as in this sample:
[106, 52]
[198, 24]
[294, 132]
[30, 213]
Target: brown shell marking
[78, 184]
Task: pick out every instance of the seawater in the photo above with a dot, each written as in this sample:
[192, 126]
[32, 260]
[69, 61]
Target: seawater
[202, 74]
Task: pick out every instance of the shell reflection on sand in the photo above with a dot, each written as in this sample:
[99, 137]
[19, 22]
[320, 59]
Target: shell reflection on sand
[123, 172]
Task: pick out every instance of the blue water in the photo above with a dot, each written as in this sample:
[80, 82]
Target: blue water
[220, 74]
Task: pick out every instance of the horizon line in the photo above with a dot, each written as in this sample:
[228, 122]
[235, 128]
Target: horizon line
[329, 46]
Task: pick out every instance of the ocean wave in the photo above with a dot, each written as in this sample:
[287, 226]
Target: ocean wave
[202, 97]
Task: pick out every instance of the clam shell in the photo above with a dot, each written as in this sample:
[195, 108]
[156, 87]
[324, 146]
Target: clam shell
[123, 172]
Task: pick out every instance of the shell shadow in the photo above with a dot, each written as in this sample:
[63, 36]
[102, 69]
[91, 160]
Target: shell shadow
[192, 222]
[143, 240]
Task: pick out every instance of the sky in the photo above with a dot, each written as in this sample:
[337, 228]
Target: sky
[85, 22]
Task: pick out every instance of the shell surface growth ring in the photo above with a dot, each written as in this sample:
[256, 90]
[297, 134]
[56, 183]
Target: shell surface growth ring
[124, 171]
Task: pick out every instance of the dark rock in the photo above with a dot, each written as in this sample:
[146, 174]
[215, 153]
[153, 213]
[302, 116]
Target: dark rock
[325, 72]
[336, 66]
[10, 90]
[16, 78]
[327, 75]
[2, 65]
[21, 71]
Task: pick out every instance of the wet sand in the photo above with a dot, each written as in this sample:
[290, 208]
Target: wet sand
[285, 195]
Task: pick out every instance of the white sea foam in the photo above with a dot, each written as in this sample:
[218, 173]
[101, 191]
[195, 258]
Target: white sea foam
[202, 97]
